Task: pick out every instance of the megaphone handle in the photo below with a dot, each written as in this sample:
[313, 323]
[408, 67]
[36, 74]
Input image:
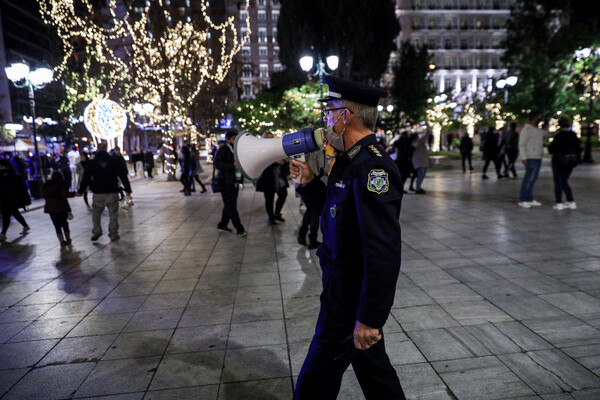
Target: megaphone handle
[299, 157]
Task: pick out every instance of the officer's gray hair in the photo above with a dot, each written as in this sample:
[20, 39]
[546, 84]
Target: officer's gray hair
[368, 114]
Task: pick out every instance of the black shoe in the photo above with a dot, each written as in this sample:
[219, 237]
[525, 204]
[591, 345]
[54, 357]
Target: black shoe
[114, 238]
[485, 177]
[95, 236]
[279, 218]
[224, 229]
[203, 191]
[302, 241]
[420, 191]
[314, 245]
[272, 222]
[411, 189]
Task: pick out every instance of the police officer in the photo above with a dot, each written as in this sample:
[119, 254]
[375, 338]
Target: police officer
[360, 253]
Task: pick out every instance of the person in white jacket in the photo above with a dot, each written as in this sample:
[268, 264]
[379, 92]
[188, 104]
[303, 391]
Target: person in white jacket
[74, 160]
[531, 151]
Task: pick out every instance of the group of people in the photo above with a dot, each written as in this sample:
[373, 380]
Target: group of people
[412, 159]
[499, 148]
[105, 174]
[189, 161]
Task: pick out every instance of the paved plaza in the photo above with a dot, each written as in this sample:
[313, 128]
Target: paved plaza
[493, 302]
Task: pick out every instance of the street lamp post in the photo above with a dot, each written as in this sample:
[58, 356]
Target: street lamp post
[306, 63]
[505, 84]
[21, 76]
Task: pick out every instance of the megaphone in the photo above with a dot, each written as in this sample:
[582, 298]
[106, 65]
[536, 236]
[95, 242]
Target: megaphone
[254, 154]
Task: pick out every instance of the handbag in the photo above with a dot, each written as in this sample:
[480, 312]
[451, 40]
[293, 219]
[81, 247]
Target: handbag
[216, 183]
[567, 161]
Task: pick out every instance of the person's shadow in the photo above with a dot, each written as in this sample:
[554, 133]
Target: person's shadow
[13, 258]
[73, 279]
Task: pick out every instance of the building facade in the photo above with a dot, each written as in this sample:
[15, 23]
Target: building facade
[464, 38]
[259, 56]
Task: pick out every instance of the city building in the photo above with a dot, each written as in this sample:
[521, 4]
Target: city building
[464, 38]
[259, 56]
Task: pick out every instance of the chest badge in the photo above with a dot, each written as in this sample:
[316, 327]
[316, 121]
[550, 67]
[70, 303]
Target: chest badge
[378, 181]
[333, 211]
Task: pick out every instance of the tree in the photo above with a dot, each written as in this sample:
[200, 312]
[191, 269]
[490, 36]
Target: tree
[280, 114]
[542, 37]
[412, 85]
[166, 60]
[361, 33]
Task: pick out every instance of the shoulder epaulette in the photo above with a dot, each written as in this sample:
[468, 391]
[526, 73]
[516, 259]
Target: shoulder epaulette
[374, 150]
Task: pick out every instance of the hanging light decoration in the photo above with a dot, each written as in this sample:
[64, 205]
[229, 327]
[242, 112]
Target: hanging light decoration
[105, 120]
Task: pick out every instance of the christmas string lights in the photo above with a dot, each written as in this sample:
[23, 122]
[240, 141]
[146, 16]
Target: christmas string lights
[165, 62]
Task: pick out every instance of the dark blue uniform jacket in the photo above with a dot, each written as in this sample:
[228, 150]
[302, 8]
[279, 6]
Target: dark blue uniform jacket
[360, 224]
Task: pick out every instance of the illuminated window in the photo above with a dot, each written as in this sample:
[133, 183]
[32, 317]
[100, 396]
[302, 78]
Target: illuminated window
[274, 35]
[263, 70]
[262, 52]
[247, 89]
[247, 71]
[274, 16]
[245, 51]
[277, 67]
[262, 35]
[262, 15]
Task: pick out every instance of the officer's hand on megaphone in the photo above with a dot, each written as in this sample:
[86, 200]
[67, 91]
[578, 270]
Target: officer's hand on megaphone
[301, 167]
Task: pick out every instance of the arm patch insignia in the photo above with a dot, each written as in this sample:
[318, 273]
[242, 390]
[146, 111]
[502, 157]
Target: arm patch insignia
[378, 181]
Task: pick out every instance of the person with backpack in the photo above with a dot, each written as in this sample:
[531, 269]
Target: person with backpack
[566, 154]
[56, 191]
[14, 194]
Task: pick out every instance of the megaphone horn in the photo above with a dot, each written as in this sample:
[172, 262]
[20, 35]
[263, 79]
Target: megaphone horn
[254, 154]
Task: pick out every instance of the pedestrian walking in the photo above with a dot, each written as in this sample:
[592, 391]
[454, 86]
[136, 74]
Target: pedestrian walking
[102, 175]
[466, 151]
[531, 151]
[149, 163]
[566, 154]
[74, 160]
[272, 182]
[225, 164]
[186, 170]
[317, 162]
[14, 194]
[196, 170]
[420, 160]
[510, 141]
[56, 190]
[491, 153]
[404, 151]
[83, 163]
[360, 253]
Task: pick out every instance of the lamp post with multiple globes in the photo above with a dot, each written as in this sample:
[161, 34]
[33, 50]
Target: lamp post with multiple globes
[23, 77]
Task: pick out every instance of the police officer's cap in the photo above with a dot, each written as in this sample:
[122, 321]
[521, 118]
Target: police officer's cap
[343, 89]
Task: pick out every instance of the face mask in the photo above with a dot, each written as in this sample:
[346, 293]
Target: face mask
[337, 141]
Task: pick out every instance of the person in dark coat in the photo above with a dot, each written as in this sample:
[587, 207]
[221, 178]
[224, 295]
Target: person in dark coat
[186, 170]
[102, 174]
[226, 166]
[13, 195]
[360, 253]
[567, 143]
[149, 163]
[466, 150]
[491, 152]
[510, 143]
[56, 191]
[270, 182]
[404, 151]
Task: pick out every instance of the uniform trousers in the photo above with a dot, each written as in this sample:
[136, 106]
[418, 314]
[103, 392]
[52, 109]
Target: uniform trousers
[332, 351]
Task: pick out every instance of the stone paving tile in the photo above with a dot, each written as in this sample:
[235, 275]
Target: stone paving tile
[139, 344]
[424, 317]
[188, 369]
[118, 376]
[421, 381]
[49, 383]
[561, 331]
[253, 363]
[494, 379]
[208, 392]
[475, 312]
[24, 354]
[447, 344]
[11, 377]
[77, 350]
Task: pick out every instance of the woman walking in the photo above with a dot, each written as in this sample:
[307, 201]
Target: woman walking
[566, 154]
[13, 195]
[56, 191]
[420, 160]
